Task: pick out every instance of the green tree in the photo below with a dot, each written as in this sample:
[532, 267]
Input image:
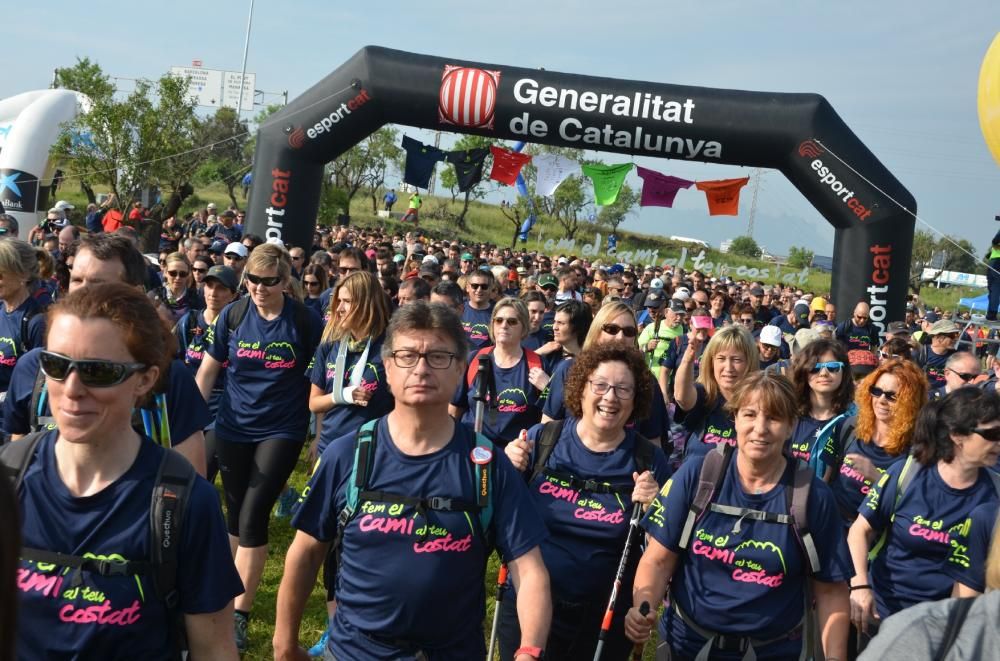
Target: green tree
[924, 245]
[88, 78]
[745, 246]
[383, 154]
[800, 257]
[366, 163]
[615, 213]
[227, 159]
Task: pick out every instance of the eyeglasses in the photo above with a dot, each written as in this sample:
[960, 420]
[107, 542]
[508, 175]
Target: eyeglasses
[506, 321]
[878, 392]
[178, 274]
[311, 283]
[347, 270]
[964, 376]
[479, 285]
[834, 367]
[601, 388]
[439, 360]
[233, 256]
[615, 329]
[614, 290]
[990, 434]
[629, 285]
[298, 258]
[747, 322]
[92, 373]
[197, 270]
[267, 281]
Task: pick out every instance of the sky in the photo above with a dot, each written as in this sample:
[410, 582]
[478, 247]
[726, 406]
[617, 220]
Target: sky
[903, 75]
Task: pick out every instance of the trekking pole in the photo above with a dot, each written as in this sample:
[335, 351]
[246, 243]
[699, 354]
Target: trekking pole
[640, 647]
[501, 588]
[622, 564]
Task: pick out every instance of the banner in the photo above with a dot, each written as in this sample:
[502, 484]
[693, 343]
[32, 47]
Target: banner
[507, 165]
[659, 190]
[420, 160]
[552, 170]
[723, 195]
[608, 180]
[468, 166]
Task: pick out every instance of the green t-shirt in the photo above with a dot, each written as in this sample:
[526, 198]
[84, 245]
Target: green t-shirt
[666, 335]
[415, 202]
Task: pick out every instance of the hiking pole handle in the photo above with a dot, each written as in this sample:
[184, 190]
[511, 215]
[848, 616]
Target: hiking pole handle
[640, 647]
[481, 392]
[501, 583]
[619, 575]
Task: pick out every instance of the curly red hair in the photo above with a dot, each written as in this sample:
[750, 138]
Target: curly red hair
[910, 398]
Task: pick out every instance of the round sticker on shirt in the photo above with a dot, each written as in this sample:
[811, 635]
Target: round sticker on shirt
[481, 455]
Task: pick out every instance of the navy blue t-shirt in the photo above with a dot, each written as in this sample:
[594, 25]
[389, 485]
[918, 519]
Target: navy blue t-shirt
[933, 366]
[267, 394]
[314, 304]
[324, 304]
[518, 405]
[476, 324]
[804, 437]
[850, 487]
[910, 569]
[862, 338]
[970, 547]
[12, 345]
[345, 419]
[415, 576]
[750, 581]
[675, 352]
[535, 340]
[194, 334]
[706, 427]
[112, 617]
[587, 530]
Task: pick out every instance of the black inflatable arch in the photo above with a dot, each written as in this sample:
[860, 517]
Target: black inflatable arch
[797, 134]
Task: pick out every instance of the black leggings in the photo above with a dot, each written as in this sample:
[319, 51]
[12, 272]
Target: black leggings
[211, 458]
[253, 475]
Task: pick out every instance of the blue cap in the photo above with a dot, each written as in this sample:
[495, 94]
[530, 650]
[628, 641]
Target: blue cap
[218, 246]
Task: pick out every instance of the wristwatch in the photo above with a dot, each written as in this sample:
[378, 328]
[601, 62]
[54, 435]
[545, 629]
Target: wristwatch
[533, 652]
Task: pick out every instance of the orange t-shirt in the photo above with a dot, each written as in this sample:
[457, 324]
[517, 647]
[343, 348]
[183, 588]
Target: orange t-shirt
[112, 220]
[723, 195]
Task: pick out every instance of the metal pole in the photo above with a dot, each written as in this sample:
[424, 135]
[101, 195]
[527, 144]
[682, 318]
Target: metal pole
[243, 72]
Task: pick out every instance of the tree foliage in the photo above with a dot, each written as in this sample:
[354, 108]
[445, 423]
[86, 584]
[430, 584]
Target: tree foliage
[745, 246]
[799, 257]
[615, 213]
[947, 253]
[449, 178]
[227, 160]
[366, 163]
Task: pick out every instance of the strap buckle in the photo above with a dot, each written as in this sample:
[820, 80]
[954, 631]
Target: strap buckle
[439, 503]
[591, 485]
[732, 643]
[109, 567]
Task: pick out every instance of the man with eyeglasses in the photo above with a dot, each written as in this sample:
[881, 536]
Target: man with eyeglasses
[859, 333]
[961, 370]
[628, 287]
[235, 257]
[298, 257]
[478, 309]
[421, 501]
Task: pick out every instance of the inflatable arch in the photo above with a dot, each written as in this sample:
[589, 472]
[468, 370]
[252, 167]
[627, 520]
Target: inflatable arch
[799, 134]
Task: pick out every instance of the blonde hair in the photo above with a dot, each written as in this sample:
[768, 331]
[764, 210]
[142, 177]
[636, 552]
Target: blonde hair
[369, 315]
[520, 309]
[269, 255]
[728, 337]
[19, 258]
[605, 314]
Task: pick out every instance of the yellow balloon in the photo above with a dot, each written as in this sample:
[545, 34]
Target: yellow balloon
[989, 98]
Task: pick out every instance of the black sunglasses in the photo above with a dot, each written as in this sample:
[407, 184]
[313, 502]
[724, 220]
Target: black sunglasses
[197, 270]
[311, 283]
[964, 376]
[614, 329]
[991, 434]
[479, 285]
[267, 281]
[178, 274]
[92, 373]
[878, 392]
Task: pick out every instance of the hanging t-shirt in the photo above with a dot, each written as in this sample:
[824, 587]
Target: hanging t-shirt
[507, 164]
[420, 161]
[345, 419]
[850, 486]
[517, 406]
[970, 547]
[12, 345]
[910, 567]
[723, 195]
[476, 324]
[706, 428]
[551, 170]
[607, 179]
[112, 617]
[468, 166]
[587, 530]
[267, 394]
[659, 190]
[415, 576]
[747, 580]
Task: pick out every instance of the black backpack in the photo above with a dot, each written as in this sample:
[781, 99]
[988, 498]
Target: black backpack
[167, 512]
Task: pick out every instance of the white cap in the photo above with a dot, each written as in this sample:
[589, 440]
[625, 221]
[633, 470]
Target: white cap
[656, 283]
[237, 248]
[681, 295]
[211, 205]
[429, 259]
[770, 335]
[63, 204]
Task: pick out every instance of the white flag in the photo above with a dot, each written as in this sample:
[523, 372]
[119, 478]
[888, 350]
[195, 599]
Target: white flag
[552, 170]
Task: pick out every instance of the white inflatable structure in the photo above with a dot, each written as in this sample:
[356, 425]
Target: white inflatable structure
[30, 123]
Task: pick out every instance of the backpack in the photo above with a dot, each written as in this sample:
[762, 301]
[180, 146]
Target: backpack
[546, 443]
[356, 491]
[534, 360]
[910, 470]
[167, 512]
[238, 312]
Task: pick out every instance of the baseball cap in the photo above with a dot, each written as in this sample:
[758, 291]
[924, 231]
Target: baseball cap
[467, 257]
[770, 335]
[63, 205]
[656, 283]
[427, 268]
[616, 269]
[563, 260]
[681, 295]
[801, 310]
[931, 317]
[225, 275]
[547, 280]
[654, 300]
[398, 258]
[818, 304]
[430, 259]
[236, 248]
[756, 291]
[862, 362]
[944, 327]
[211, 205]
[803, 337]
[678, 306]
[896, 327]
[521, 270]
[228, 213]
[217, 246]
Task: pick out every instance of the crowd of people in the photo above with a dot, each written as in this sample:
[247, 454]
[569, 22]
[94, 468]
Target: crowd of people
[798, 476]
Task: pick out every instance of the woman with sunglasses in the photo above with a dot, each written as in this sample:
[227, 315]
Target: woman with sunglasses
[596, 456]
[825, 397]
[921, 504]
[314, 283]
[888, 401]
[518, 378]
[263, 414]
[177, 295]
[199, 269]
[88, 490]
[730, 355]
[22, 321]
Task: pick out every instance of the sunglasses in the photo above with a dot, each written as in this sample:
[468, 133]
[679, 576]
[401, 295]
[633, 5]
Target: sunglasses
[92, 373]
[297, 258]
[267, 281]
[178, 274]
[200, 270]
[991, 434]
[479, 285]
[311, 283]
[834, 367]
[747, 322]
[615, 329]
[878, 392]
[347, 270]
[964, 376]
[233, 256]
[506, 321]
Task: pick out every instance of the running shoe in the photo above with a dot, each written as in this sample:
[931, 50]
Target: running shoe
[240, 624]
[286, 503]
[317, 650]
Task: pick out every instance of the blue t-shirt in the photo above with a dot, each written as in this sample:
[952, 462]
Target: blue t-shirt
[706, 427]
[417, 577]
[970, 547]
[653, 426]
[324, 304]
[933, 366]
[314, 304]
[587, 530]
[534, 340]
[12, 345]
[518, 406]
[476, 324]
[194, 335]
[675, 352]
[344, 419]
[804, 437]
[850, 487]
[861, 338]
[112, 617]
[267, 394]
[910, 568]
[748, 582]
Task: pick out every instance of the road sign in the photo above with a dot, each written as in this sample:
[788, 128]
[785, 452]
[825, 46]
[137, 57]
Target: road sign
[231, 89]
[216, 88]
